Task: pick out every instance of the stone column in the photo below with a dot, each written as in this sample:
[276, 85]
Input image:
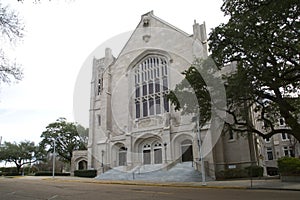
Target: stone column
[128, 145]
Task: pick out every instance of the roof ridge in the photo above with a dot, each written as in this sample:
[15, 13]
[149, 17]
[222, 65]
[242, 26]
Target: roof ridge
[166, 23]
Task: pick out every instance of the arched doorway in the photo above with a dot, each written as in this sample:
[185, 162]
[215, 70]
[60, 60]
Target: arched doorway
[186, 151]
[82, 165]
[152, 153]
[122, 156]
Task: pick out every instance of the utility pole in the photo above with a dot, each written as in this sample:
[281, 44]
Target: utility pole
[200, 150]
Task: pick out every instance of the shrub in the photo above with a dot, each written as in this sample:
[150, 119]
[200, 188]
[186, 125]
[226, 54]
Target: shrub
[232, 173]
[255, 171]
[85, 173]
[289, 166]
[49, 173]
[9, 171]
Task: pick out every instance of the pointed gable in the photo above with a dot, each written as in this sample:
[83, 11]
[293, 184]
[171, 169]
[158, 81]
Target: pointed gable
[153, 32]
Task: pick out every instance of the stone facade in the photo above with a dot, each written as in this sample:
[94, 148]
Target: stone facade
[79, 161]
[132, 124]
[278, 146]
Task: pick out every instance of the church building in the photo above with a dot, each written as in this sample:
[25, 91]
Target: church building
[133, 125]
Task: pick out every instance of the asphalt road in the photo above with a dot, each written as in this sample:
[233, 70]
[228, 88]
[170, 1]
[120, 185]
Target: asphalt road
[21, 189]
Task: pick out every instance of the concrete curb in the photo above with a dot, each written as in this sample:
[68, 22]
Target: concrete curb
[154, 184]
[269, 188]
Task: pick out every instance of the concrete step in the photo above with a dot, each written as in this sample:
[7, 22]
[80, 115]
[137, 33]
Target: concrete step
[181, 172]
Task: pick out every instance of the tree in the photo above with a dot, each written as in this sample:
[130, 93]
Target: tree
[66, 139]
[262, 38]
[25, 152]
[83, 134]
[11, 30]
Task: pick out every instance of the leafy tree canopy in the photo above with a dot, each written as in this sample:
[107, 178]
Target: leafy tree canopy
[66, 137]
[262, 39]
[11, 30]
[262, 36]
[25, 152]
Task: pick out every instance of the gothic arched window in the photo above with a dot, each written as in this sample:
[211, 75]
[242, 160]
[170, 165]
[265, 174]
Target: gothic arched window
[151, 86]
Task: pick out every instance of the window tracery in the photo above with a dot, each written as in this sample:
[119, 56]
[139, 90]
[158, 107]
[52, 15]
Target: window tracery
[151, 87]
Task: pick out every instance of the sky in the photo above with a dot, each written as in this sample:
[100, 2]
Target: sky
[59, 44]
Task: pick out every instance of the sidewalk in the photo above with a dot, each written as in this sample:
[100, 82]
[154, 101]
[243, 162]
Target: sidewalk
[271, 184]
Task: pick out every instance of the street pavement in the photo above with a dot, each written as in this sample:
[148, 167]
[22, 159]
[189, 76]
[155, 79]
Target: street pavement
[264, 183]
[74, 188]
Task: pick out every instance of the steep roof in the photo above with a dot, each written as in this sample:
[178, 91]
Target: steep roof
[151, 15]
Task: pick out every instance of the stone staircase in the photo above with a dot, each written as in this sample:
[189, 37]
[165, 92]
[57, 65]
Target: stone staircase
[181, 172]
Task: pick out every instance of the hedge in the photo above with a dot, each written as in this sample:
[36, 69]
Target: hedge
[257, 171]
[85, 173]
[9, 171]
[289, 166]
[49, 173]
[232, 173]
[12, 171]
[246, 172]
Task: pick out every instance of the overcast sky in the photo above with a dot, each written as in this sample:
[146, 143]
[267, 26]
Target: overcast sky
[60, 36]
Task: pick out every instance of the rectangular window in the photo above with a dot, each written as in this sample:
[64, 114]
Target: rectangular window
[286, 151]
[137, 110]
[166, 70]
[99, 86]
[157, 86]
[285, 136]
[144, 90]
[151, 88]
[166, 104]
[137, 92]
[145, 108]
[157, 105]
[151, 106]
[270, 153]
[157, 156]
[165, 84]
[99, 120]
[281, 122]
[147, 157]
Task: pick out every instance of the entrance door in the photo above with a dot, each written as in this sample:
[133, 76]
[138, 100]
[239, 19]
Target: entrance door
[157, 156]
[122, 156]
[82, 165]
[147, 157]
[186, 153]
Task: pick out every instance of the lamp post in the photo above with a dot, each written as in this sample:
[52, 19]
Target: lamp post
[102, 153]
[53, 166]
[200, 151]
